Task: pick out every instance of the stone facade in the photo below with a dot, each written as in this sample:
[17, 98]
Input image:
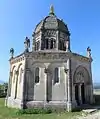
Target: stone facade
[51, 75]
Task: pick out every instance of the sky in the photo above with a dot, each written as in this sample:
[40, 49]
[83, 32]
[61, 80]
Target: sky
[18, 19]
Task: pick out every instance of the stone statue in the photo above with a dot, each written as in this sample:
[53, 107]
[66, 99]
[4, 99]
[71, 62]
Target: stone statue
[12, 52]
[89, 52]
[27, 44]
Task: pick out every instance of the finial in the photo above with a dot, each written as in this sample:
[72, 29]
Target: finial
[27, 44]
[89, 52]
[51, 10]
[12, 52]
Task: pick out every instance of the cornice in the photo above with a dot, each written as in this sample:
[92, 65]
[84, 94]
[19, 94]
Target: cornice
[17, 59]
[50, 55]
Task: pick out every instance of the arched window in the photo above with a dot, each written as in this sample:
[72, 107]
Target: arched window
[63, 47]
[37, 45]
[37, 75]
[60, 45]
[51, 45]
[56, 75]
[46, 43]
[20, 76]
[42, 45]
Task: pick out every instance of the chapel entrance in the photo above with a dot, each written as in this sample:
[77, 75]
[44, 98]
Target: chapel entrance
[81, 79]
[77, 94]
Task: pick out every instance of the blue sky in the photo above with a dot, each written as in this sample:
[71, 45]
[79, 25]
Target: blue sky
[19, 17]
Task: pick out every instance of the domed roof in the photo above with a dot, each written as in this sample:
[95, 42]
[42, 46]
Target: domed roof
[51, 22]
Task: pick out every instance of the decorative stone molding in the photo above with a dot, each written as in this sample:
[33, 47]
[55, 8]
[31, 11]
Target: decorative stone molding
[39, 55]
[49, 33]
[80, 57]
[17, 59]
[49, 55]
[61, 55]
[79, 77]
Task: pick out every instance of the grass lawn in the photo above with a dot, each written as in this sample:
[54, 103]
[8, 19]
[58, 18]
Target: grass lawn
[9, 113]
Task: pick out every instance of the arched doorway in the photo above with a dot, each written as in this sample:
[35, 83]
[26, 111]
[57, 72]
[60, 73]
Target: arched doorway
[81, 82]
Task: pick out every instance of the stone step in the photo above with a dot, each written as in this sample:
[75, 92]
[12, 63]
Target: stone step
[89, 110]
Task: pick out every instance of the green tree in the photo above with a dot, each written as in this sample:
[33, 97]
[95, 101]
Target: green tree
[3, 89]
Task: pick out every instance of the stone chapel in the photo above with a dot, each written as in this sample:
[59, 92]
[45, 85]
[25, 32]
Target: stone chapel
[51, 75]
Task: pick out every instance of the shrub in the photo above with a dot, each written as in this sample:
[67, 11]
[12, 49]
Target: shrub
[97, 99]
[2, 94]
[34, 111]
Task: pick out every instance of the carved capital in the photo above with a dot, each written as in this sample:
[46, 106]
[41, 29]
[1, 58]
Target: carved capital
[22, 70]
[46, 70]
[66, 70]
[11, 73]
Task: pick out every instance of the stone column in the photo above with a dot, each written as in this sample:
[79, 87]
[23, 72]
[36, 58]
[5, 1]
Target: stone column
[23, 88]
[48, 85]
[33, 40]
[46, 76]
[66, 84]
[9, 84]
[49, 43]
[80, 96]
[26, 84]
[40, 41]
[92, 100]
[39, 45]
[69, 103]
[54, 46]
[9, 88]
[57, 41]
[22, 71]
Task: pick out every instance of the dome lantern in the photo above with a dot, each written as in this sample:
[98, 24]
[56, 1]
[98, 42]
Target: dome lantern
[51, 33]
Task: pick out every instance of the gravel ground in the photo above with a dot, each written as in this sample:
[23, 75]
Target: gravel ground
[92, 116]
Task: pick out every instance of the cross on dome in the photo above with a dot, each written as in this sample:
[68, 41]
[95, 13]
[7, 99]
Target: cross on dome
[51, 10]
